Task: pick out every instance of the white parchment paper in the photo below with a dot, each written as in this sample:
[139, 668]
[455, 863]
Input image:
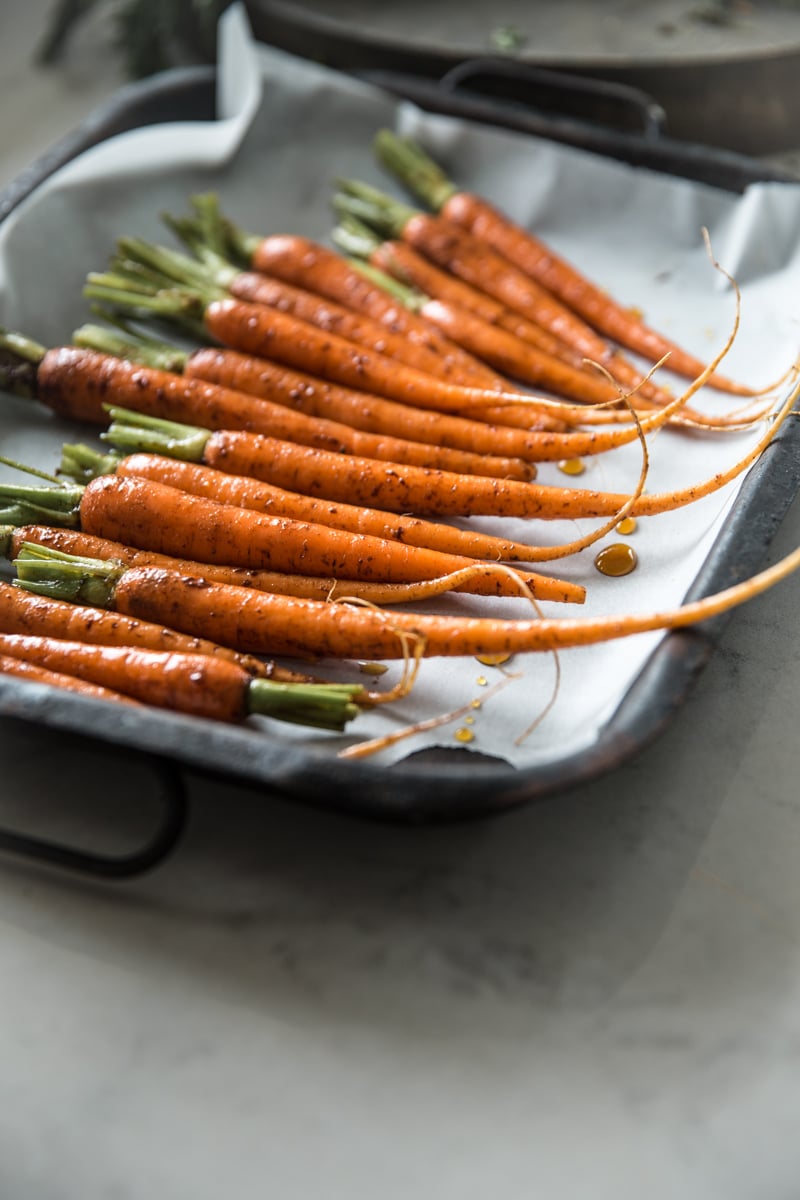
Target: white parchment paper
[287, 130]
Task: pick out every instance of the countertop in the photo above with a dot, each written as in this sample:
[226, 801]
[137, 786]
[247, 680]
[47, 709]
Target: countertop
[593, 996]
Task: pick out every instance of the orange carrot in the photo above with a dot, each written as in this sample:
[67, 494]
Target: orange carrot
[263, 623]
[517, 246]
[26, 670]
[309, 587]
[25, 613]
[328, 315]
[150, 516]
[245, 373]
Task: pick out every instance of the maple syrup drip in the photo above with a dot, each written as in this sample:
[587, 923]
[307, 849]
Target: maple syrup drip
[372, 668]
[469, 720]
[492, 660]
[627, 525]
[464, 735]
[617, 559]
[482, 681]
[572, 466]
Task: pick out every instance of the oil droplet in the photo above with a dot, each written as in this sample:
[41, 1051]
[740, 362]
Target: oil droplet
[482, 681]
[464, 735]
[469, 720]
[617, 559]
[474, 704]
[572, 466]
[627, 525]
[492, 660]
[372, 668]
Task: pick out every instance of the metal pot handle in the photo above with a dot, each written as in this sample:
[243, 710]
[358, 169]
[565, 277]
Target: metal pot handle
[614, 106]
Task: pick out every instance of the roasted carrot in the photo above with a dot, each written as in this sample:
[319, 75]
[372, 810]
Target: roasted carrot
[529, 254]
[150, 516]
[309, 587]
[257, 377]
[472, 260]
[198, 684]
[26, 670]
[263, 623]
[82, 463]
[412, 489]
[22, 612]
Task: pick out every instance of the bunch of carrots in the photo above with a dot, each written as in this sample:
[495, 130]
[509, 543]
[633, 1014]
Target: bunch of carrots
[284, 487]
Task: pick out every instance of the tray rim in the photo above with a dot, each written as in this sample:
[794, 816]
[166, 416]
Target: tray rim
[427, 787]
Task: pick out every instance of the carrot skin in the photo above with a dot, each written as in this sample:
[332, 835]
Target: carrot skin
[270, 334]
[397, 488]
[263, 623]
[23, 612]
[72, 386]
[309, 587]
[328, 315]
[245, 492]
[319, 398]
[299, 261]
[22, 669]
[532, 256]
[190, 683]
[151, 516]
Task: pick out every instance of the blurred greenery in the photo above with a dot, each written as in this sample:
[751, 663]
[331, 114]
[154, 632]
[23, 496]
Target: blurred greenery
[149, 35]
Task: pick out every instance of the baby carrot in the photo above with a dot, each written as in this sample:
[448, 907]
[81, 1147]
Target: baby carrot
[75, 542]
[25, 613]
[150, 516]
[26, 670]
[263, 623]
[539, 261]
[190, 683]
[82, 463]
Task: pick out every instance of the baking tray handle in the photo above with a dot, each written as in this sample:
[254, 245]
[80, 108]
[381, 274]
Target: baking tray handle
[157, 847]
[615, 106]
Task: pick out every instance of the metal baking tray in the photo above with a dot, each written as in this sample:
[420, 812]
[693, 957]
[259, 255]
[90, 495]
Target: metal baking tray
[434, 785]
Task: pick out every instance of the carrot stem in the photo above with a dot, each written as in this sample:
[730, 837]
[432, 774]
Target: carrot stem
[135, 431]
[409, 162]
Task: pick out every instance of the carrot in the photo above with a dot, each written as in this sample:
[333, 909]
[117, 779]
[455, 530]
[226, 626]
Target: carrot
[257, 377]
[484, 221]
[25, 613]
[83, 463]
[198, 684]
[434, 493]
[75, 542]
[154, 391]
[151, 516]
[263, 623]
[307, 264]
[472, 260]
[26, 670]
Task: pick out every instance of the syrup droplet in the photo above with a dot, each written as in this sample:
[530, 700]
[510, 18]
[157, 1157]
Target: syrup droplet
[372, 668]
[627, 525]
[492, 660]
[474, 704]
[617, 559]
[464, 735]
[469, 720]
[482, 681]
[572, 466]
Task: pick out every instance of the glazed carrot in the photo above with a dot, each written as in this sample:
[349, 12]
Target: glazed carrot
[411, 489]
[257, 377]
[82, 463]
[263, 623]
[151, 516]
[471, 259]
[309, 587]
[198, 684]
[22, 612]
[26, 670]
[529, 254]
